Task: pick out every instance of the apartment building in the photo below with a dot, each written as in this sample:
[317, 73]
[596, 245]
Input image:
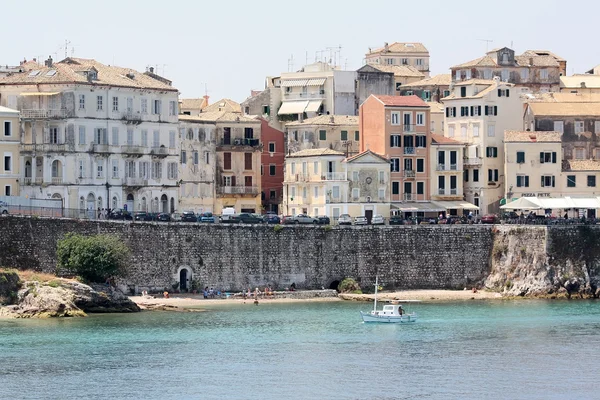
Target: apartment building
[447, 174]
[10, 143]
[272, 165]
[477, 113]
[192, 106]
[429, 89]
[412, 54]
[337, 132]
[96, 136]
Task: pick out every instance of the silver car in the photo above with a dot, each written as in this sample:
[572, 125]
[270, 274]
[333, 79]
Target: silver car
[3, 208]
[345, 219]
[362, 220]
[377, 220]
[303, 219]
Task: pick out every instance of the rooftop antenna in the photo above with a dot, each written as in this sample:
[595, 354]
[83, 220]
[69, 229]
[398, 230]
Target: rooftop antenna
[487, 43]
[335, 53]
[291, 63]
[67, 43]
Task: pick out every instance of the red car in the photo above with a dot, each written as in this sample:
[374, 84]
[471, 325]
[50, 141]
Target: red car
[489, 219]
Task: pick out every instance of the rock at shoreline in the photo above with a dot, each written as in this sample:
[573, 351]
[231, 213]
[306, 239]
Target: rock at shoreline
[66, 298]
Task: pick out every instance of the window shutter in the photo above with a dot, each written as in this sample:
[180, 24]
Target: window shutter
[496, 152]
[495, 175]
[507, 92]
[486, 110]
[454, 111]
[490, 173]
[542, 181]
[391, 141]
[527, 181]
[519, 180]
[554, 157]
[553, 181]
[472, 111]
[233, 181]
[478, 110]
[447, 112]
[462, 111]
[499, 92]
[495, 110]
[541, 157]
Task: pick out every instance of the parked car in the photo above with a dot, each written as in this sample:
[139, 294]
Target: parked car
[360, 220]
[303, 219]
[228, 215]
[323, 220]
[271, 219]
[206, 217]
[377, 220]
[164, 217]
[176, 217]
[188, 216]
[248, 218]
[3, 208]
[344, 219]
[287, 219]
[396, 220]
[489, 219]
[140, 216]
[120, 214]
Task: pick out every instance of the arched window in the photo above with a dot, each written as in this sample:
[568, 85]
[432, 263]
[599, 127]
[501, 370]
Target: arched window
[144, 204]
[28, 169]
[56, 169]
[81, 203]
[190, 134]
[100, 202]
[115, 202]
[164, 202]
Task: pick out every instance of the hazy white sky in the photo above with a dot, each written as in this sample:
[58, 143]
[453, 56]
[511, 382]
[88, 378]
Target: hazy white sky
[232, 45]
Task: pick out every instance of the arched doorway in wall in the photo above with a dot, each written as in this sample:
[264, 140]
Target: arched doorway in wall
[334, 285]
[164, 203]
[28, 169]
[91, 205]
[115, 203]
[144, 204]
[476, 202]
[183, 279]
[172, 205]
[130, 202]
[57, 172]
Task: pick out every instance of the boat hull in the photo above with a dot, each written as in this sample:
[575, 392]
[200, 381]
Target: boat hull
[389, 319]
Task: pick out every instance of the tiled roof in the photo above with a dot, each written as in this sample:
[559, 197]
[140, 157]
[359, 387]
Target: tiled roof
[316, 153]
[534, 60]
[436, 108]
[224, 105]
[526, 136]
[530, 58]
[564, 109]
[401, 101]
[485, 61]
[218, 116]
[586, 81]
[438, 80]
[364, 153]
[544, 53]
[398, 47]
[399, 70]
[327, 120]
[439, 139]
[581, 165]
[194, 104]
[70, 70]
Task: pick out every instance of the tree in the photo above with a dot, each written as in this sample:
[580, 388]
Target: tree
[94, 258]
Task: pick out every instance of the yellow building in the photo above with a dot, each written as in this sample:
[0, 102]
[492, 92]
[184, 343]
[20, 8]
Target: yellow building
[10, 140]
[337, 132]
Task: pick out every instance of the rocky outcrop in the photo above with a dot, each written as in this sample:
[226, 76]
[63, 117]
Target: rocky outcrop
[66, 298]
[9, 286]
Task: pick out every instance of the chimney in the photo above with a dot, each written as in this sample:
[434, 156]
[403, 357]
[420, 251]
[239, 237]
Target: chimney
[386, 48]
[531, 61]
[332, 119]
[48, 62]
[151, 70]
[206, 99]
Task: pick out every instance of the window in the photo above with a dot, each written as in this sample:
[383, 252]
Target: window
[446, 93]
[196, 158]
[463, 131]
[183, 156]
[571, 181]
[591, 180]
[356, 136]
[355, 176]
[272, 169]
[547, 157]
[543, 73]
[172, 107]
[491, 130]
[115, 136]
[381, 194]
[207, 157]
[322, 135]
[503, 93]
[81, 169]
[100, 169]
[293, 168]
[315, 167]
[172, 170]
[395, 187]
[130, 169]
[466, 175]
[395, 165]
[81, 134]
[82, 101]
[579, 153]
[420, 165]
[492, 175]
[172, 139]
[491, 152]
[227, 161]
[475, 175]
[129, 105]
[247, 161]
[7, 163]
[395, 118]
[504, 75]
[475, 111]
[395, 141]
[520, 157]
[579, 128]
[115, 169]
[344, 135]
[130, 137]
[420, 188]
[157, 170]
[522, 181]
[335, 192]
[426, 95]
[559, 126]
[381, 177]
[99, 101]
[491, 110]
[450, 111]
[451, 131]
[355, 193]
[144, 105]
[144, 138]
[457, 75]
[156, 105]
[100, 136]
[420, 119]
[273, 194]
[476, 130]
[156, 139]
[115, 104]
[524, 74]
[548, 181]
[421, 141]
[463, 92]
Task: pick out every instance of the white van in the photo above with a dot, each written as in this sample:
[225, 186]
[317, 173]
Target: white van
[227, 214]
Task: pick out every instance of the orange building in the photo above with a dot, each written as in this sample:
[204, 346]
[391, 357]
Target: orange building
[398, 127]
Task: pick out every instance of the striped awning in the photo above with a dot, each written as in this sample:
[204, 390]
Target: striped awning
[456, 205]
[313, 105]
[316, 82]
[292, 107]
[294, 83]
[418, 207]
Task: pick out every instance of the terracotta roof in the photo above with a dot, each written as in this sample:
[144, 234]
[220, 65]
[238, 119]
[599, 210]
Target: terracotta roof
[224, 105]
[485, 61]
[436, 108]
[439, 139]
[399, 70]
[71, 70]
[545, 53]
[327, 120]
[581, 165]
[525, 136]
[398, 47]
[575, 81]
[401, 101]
[218, 116]
[315, 153]
[533, 60]
[530, 58]
[438, 80]
[364, 153]
[194, 104]
[564, 109]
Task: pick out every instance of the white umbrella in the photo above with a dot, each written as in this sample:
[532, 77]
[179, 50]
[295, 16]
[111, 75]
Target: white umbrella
[523, 203]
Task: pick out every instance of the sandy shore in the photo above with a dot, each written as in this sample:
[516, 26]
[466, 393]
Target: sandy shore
[196, 301]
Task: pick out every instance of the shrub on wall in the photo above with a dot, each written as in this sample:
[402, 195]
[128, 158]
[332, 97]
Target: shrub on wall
[94, 258]
[349, 285]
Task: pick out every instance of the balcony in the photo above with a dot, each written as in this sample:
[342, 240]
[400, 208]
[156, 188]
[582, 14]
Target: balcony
[409, 197]
[43, 114]
[301, 177]
[320, 95]
[334, 176]
[131, 149]
[100, 148]
[57, 180]
[472, 161]
[135, 182]
[162, 151]
[27, 181]
[252, 190]
[131, 118]
[410, 174]
[447, 167]
[408, 128]
[233, 142]
[44, 147]
[409, 150]
[447, 192]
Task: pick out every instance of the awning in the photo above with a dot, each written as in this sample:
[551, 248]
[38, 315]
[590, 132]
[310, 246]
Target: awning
[292, 107]
[294, 82]
[524, 203]
[316, 82]
[313, 105]
[417, 207]
[553, 203]
[39, 93]
[456, 205]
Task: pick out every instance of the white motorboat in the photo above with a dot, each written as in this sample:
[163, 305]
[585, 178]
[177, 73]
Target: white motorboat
[392, 313]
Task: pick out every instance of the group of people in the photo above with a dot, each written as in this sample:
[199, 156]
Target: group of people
[102, 213]
[211, 293]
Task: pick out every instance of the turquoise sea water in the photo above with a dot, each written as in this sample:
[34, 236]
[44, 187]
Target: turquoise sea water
[465, 350]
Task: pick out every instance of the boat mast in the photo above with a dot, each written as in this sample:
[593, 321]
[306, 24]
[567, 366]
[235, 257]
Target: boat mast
[376, 287]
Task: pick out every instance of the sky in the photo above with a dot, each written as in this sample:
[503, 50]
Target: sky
[226, 49]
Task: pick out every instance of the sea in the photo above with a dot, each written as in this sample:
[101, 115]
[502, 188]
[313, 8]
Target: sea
[500, 349]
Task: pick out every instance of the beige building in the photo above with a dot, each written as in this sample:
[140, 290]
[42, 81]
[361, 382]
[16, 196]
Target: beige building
[325, 182]
[413, 54]
[437, 117]
[477, 113]
[223, 105]
[336, 132]
[447, 174]
[430, 89]
[10, 142]
[192, 106]
[403, 74]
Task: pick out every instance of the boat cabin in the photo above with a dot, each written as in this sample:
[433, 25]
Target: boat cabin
[392, 309]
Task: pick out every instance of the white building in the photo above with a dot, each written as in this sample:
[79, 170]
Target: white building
[96, 136]
[477, 113]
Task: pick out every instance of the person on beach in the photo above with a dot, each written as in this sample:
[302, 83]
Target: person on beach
[166, 294]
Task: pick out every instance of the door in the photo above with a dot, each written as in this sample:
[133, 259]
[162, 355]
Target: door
[369, 215]
[226, 135]
[183, 279]
[408, 191]
[129, 203]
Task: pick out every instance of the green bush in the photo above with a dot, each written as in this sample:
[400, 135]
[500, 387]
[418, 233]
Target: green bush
[277, 228]
[94, 258]
[348, 285]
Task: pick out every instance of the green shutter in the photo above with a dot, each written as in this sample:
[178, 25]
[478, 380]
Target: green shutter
[322, 135]
[344, 135]
[356, 136]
